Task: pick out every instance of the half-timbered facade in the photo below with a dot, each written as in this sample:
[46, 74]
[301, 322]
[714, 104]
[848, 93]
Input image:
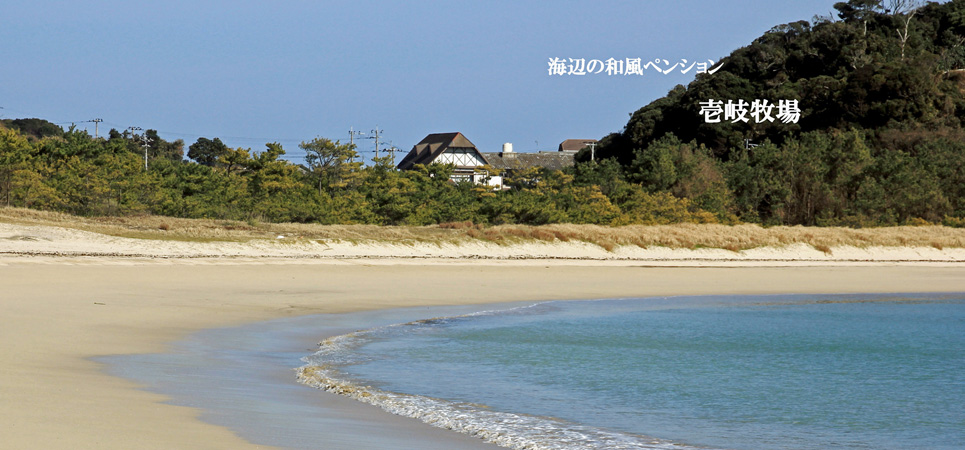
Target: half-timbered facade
[448, 148]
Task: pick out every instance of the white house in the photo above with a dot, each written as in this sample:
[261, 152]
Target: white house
[455, 149]
[450, 148]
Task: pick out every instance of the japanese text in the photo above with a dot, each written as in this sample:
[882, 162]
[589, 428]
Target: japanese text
[627, 66]
[716, 111]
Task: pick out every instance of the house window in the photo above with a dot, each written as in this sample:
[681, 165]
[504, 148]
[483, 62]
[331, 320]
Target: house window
[461, 177]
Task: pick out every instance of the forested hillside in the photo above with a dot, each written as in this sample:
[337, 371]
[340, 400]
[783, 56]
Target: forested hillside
[879, 141]
[880, 138]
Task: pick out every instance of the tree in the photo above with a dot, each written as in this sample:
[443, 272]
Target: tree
[233, 159]
[332, 164]
[159, 148]
[907, 8]
[654, 166]
[37, 128]
[206, 151]
[855, 10]
[277, 188]
[900, 7]
[15, 155]
[605, 173]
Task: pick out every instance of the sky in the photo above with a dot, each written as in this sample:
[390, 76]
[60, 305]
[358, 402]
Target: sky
[252, 72]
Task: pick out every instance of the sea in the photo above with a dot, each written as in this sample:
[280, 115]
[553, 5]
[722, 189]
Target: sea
[863, 371]
[718, 372]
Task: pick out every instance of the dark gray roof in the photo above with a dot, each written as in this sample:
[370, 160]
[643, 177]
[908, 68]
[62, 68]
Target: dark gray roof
[432, 146]
[510, 161]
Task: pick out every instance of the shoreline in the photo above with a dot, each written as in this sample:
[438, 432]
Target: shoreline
[60, 312]
[249, 384]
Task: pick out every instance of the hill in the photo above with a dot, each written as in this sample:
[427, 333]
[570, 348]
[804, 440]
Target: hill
[879, 139]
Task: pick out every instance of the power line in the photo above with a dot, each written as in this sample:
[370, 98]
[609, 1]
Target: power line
[293, 154]
[121, 126]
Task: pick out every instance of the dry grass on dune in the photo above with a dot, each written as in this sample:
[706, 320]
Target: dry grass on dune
[686, 235]
[209, 230]
[738, 237]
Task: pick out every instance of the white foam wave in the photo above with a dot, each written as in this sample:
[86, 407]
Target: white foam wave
[516, 431]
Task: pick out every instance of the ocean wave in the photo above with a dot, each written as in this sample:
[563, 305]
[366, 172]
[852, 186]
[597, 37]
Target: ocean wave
[516, 431]
[511, 430]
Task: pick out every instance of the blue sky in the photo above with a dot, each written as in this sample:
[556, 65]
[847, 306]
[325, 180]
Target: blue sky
[256, 72]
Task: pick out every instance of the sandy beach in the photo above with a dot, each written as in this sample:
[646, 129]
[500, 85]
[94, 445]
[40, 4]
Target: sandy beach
[61, 309]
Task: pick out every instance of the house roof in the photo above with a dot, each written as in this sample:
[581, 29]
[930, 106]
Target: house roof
[511, 161]
[429, 148]
[574, 145]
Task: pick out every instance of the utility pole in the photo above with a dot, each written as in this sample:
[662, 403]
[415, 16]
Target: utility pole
[376, 132]
[592, 150]
[392, 149]
[145, 143]
[132, 130]
[352, 133]
[351, 138]
[96, 122]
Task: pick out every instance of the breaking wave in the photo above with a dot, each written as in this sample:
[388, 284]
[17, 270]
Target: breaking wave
[506, 429]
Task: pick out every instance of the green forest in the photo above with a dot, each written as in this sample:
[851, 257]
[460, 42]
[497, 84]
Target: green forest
[72, 172]
[880, 141]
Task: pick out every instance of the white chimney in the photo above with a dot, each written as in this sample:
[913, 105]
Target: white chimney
[508, 147]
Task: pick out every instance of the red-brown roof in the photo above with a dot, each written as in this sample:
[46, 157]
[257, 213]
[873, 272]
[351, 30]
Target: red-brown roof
[575, 145]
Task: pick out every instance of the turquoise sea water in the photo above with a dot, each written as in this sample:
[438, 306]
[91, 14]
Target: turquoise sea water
[767, 372]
